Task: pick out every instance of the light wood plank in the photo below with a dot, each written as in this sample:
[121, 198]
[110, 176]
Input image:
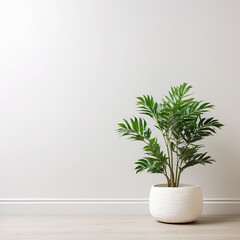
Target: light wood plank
[116, 228]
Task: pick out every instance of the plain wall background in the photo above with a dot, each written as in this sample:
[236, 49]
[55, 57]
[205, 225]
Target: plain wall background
[70, 71]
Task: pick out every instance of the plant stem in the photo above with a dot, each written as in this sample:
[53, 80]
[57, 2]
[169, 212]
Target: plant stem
[178, 177]
[170, 163]
[168, 152]
[172, 175]
[168, 180]
[177, 167]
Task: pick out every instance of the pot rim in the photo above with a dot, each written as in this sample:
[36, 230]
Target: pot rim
[164, 186]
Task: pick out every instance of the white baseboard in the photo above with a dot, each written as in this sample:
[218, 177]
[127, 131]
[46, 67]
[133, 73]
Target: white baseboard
[103, 206]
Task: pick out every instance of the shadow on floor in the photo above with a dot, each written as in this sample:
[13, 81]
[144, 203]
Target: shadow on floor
[205, 220]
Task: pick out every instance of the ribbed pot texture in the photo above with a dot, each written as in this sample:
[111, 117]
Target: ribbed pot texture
[175, 204]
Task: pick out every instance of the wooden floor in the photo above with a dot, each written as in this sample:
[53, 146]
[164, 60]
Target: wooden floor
[115, 228]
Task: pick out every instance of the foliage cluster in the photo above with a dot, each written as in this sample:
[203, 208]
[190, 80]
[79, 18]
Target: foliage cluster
[179, 118]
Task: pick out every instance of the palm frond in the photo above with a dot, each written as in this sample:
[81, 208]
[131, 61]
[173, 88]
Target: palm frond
[135, 129]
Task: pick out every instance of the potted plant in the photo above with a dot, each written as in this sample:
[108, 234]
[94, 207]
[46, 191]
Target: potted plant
[179, 118]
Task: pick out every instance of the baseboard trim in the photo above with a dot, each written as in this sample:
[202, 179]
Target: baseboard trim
[102, 206]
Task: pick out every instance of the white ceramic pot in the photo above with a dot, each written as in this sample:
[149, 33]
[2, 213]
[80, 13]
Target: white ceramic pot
[176, 204]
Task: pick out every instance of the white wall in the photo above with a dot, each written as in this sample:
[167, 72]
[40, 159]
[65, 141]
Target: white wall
[70, 71]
